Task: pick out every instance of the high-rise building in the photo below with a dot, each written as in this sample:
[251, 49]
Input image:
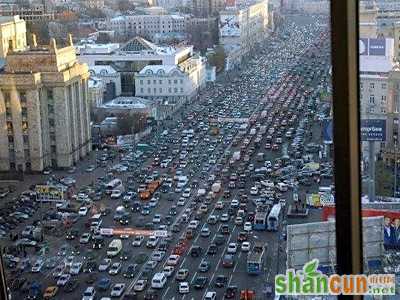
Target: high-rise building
[206, 8]
[44, 109]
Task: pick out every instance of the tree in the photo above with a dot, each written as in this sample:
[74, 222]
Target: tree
[131, 123]
[40, 29]
[218, 58]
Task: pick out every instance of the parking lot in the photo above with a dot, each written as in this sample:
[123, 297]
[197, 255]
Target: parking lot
[201, 179]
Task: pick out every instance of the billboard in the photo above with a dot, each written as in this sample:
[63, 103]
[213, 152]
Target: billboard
[318, 240]
[391, 224]
[376, 47]
[49, 193]
[373, 130]
[327, 130]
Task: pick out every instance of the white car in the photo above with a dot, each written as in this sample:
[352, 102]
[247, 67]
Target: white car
[232, 248]
[247, 226]
[140, 285]
[181, 202]
[184, 287]
[193, 224]
[186, 193]
[168, 271]
[157, 255]
[115, 268]
[118, 289]
[68, 261]
[235, 203]
[83, 211]
[254, 191]
[75, 268]
[245, 246]
[89, 293]
[64, 278]
[85, 238]
[104, 265]
[152, 242]
[138, 240]
[173, 260]
[116, 194]
[157, 219]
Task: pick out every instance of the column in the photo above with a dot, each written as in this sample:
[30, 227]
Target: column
[62, 125]
[34, 130]
[17, 126]
[4, 152]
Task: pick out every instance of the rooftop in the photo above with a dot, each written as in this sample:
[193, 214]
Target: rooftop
[102, 70]
[128, 103]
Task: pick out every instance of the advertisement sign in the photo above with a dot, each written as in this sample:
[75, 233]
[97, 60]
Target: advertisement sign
[376, 47]
[133, 231]
[373, 130]
[49, 193]
[327, 130]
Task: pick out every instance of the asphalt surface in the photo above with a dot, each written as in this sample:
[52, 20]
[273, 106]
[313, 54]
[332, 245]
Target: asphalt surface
[231, 97]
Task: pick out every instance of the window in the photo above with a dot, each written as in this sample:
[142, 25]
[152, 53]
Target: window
[181, 81]
[141, 90]
[141, 81]
[50, 108]
[25, 127]
[22, 98]
[175, 81]
[148, 81]
[53, 149]
[10, 139]
[372, 99]
[169, 90]
[51, 122]
[175, 90]
[25, 138]
[24, 112]
[160, 81]
[160, 90]
[154, 81]
[50, 93]
[372, 85]
[181, 90]
[384, 86]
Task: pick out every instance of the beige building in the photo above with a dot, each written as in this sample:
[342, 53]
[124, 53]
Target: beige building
[12, 29]
[242, 27]
[368, 25]
[44, 108]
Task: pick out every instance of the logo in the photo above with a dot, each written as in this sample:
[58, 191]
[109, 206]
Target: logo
[311, 281]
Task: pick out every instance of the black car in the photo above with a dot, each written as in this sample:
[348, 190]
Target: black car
[200, 282]
[220, 281]
[212, 249]
[130, 271]
[195, 251]
[72, 234]
[219, 240]
[125, 255]
[231, 292]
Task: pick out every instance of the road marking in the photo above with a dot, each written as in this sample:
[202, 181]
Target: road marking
[194, 276]
[166, 292]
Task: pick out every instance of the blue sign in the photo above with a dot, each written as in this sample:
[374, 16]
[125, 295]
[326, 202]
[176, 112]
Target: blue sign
[377, 47]
[327, 128]
[373, 130]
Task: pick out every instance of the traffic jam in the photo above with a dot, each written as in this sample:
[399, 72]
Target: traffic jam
[195, 210]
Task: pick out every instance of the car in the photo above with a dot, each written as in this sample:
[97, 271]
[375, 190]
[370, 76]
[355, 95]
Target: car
[168, 270]
[137, 241]
[104, 264]
[75, 268]
[157, 255]
[125, 255]
[232, 248]
[157, 219]
[193, 224]
[116, 194]
[210, 296]
[245, 247]
[37, 266]
[117, 289]
[230, 292]
[227, 261]
[225, 229]
[204, 266]
[50, 292]
[220, 281]
[238, 221]
[130, 271]
[104, 283]
[85, 238]
[172, 260]
[247, 226]
[224, 217]
[186, 193]
[200, 282]
[195, 251]
[83, 211]
[140, 285]
[183, 287]
[212, 220]
[205, 231]
[219, 240]
[152, 241]
[182, 274]
[63, 279]
[219, 205]
[212, 249]
[115, 268]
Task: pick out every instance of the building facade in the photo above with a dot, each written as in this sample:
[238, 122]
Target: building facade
[12, 30]
[242, 27]
[207, 8]
[44, 100]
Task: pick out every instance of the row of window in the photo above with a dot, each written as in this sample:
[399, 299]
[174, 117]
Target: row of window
[160, 90]
[161, 81]
[372, 85]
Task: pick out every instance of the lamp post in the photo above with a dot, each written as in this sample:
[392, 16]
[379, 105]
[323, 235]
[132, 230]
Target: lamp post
[395, 168]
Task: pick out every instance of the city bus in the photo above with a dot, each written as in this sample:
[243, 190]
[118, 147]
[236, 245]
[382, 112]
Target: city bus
[115, 184]
[260, 221]
[273, 218]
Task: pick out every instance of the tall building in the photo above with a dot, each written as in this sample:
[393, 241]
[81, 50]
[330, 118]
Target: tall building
[207, 8]
[44, 108]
